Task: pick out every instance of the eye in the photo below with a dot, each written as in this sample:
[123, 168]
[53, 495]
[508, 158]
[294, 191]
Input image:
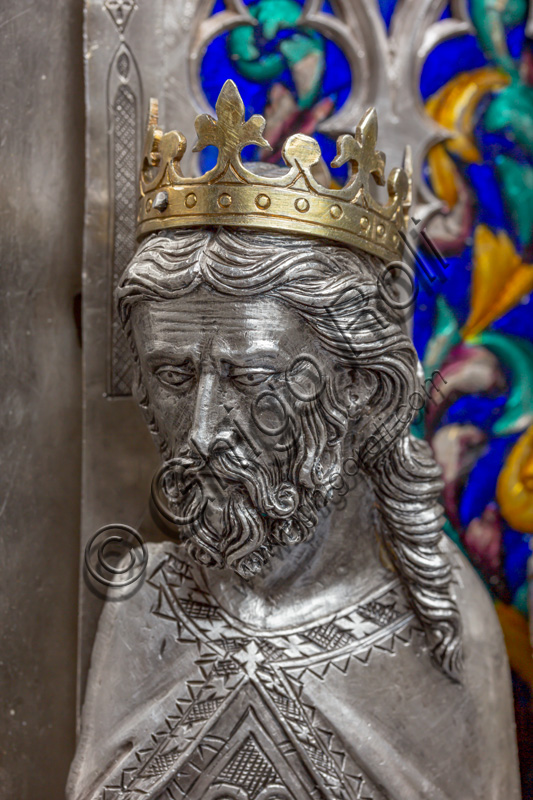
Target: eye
[251, 376]
[174, 376]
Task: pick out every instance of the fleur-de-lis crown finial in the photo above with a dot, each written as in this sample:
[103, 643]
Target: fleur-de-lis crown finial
[229, 132]
[230, 194]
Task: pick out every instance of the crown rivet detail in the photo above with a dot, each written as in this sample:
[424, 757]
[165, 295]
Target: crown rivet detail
[301, 205]
[161, 201]
[262, 201]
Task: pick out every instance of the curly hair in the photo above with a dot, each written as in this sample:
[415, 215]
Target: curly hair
[337, 292]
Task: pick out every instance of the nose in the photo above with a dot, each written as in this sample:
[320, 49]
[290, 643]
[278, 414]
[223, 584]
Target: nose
[208, 413]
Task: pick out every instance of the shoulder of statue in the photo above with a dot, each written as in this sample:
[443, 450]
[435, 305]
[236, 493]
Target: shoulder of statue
[133, 641]
[483, 644]
[124, 598]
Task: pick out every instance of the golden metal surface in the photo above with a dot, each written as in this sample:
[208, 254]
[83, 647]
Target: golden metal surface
[294, 201]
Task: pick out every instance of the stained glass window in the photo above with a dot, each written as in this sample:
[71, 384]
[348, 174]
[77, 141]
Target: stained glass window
[290, 73]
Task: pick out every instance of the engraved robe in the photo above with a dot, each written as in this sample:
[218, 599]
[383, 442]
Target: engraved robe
[185, 701]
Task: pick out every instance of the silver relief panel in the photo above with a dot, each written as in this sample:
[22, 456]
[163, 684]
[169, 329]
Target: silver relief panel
[132, 51]
[315, 677]
[154, 48]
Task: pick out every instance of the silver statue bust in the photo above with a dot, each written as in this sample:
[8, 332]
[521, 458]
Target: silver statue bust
[308, 632]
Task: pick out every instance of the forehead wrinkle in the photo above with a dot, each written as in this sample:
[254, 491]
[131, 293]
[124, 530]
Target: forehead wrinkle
[243, 330]
[238, 315]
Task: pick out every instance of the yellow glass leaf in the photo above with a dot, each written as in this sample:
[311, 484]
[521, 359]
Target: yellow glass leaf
[499, 279]
[454, 107]
[516, 634]
[514, 491]
[443, 175]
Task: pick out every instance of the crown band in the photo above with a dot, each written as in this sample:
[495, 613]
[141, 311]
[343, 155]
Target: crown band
[293, 202]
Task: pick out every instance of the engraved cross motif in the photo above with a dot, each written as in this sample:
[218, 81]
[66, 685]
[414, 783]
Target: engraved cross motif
[250, 657]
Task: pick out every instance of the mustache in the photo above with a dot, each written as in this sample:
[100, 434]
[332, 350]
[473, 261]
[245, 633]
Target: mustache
[258, 511]
[186, 474]
[259, 502]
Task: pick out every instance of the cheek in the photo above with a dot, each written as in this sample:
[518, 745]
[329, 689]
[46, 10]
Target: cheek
[269, 416]
[272, 424]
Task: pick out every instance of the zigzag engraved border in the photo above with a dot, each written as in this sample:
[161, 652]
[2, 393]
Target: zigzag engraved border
[230, 657]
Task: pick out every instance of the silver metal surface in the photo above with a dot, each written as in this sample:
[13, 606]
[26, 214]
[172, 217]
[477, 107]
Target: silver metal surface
[41, 224]
[292, 642]
[134, 51]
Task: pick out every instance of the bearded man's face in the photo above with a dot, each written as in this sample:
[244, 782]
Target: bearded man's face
[241, 394]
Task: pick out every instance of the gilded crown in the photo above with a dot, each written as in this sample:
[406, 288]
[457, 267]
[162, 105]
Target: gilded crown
[294, 201]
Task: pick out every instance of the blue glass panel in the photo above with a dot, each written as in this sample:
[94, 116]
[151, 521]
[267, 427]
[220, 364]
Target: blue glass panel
[491, 210]
[447, 60]
[456, 286]
[518, 321]
[481, 485]
[516, 40]
[478, 410]
[423, 320]
[387, 9]
[517, 551]
[268, 57]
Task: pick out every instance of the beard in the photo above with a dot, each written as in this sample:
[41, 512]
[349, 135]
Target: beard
[235, 511]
